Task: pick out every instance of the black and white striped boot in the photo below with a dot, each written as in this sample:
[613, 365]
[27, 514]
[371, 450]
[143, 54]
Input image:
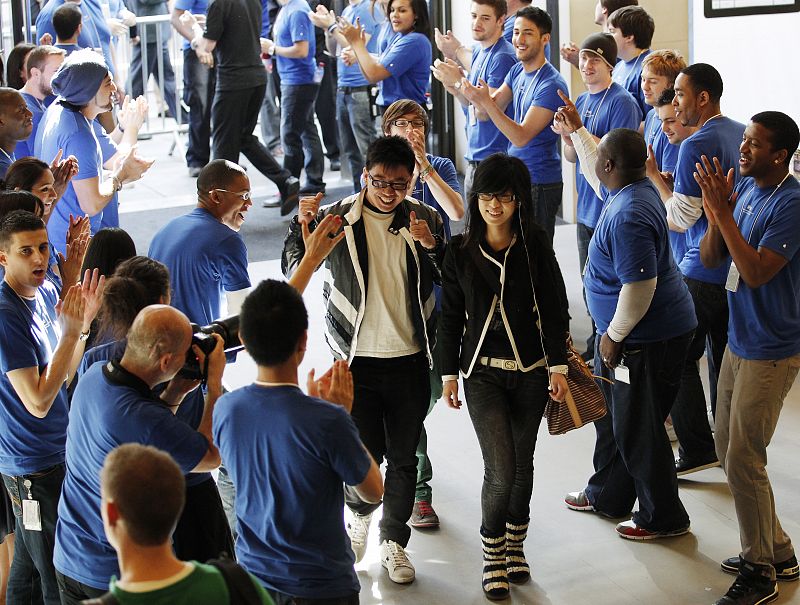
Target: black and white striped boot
[518, 569]
[495, 577]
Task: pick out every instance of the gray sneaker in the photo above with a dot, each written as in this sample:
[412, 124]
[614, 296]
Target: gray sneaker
[358, 531]
[395, 560]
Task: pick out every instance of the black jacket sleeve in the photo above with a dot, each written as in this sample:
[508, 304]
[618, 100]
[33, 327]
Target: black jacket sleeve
[453, 317]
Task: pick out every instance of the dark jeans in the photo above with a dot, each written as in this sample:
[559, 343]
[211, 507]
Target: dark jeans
[391, 399]
[546, 202]
[198, 93]
[202, 532]
[325, 108]
[632, 455]
[33, 550]
[153, 51]
[233, 117]
[299, 133]
[74, 593]
[506, 409]
[689, 415]
[270, 112]
[284, 599]
[356, 129]
[584, 237]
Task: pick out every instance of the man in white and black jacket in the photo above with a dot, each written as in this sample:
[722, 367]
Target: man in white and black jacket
[379, 293]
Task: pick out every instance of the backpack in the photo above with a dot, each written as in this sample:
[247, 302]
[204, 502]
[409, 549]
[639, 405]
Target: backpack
[240, 586]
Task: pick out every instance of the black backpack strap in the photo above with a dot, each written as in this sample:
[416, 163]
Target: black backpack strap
[239, 583]
[106, 599]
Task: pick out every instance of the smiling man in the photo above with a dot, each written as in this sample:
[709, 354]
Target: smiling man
[43, 62]
[381, 319]
[203, 250]
[16, 124]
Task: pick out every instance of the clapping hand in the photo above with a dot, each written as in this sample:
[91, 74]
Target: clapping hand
[447, 72]
[570, 53]
[479, 95]
[447, 43]
[717, 187]
[335, 385]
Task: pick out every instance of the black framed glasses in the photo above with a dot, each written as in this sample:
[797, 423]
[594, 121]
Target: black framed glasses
[245, 195]
[402, 123]
[505, 198]
[386, 184]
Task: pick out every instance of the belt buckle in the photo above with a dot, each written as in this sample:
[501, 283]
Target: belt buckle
[508, 364]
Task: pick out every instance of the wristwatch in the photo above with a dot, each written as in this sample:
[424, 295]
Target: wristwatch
[457, 85]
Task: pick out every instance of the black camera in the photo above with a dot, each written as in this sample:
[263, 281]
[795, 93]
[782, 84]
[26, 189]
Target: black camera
[203, 337]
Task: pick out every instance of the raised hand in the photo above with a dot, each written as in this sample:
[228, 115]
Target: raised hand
[70, 265]
[352, 32]
[570, 116]
[570, 53]
[63, 171]
[308, 207]
[717, 187]
[92, 288]
[322, 17]
[447, 43]
[479, 95]
[71, 311]
[448, 72]
[335, 386]
[420, 231]
[324, 239]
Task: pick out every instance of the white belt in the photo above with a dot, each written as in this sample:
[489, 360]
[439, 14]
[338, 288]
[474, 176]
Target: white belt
[505, 364]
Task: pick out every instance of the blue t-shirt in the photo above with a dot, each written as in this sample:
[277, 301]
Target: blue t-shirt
[628, 74]
[491, 65]
[630, 244]
[385, 34]
[5, 162]
[508, 33]
[29, 333]
[190, 410]
[108, 148]
[764, 322]
[62, 128]
[293, 25]
[444, 168]
[371, 20]
[719, 137]
[36, 107]
[288, 455]
[68, 48]
[539, 89]
[601, 112]
[407, 58]
[200, 7]
[107, 412]
[205, 259]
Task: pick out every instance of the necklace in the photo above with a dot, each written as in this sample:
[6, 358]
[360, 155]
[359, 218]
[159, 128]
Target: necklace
[631, 69]
[611, 201]
[11, 159]
[518, 106]
[596, 112]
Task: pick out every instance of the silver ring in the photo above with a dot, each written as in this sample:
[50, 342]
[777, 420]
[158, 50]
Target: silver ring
[605, 359]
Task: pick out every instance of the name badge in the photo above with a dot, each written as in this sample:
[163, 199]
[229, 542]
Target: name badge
[732, 283]
[473, 118]
[31, 516]
[622, 373]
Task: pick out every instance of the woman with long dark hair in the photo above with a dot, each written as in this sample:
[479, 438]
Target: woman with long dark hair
[503, 327]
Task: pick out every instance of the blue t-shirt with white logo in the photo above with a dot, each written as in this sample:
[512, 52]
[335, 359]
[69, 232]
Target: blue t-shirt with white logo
[490, 65]
[720, 138]
[628, 74]
[29, 333]
[293, 25]
[106, 413]
[407, 58]
[764, 322]
[371, 19]
[205, 259]
[282, 447]
[538, 88]
[601, 112]
[630, 244]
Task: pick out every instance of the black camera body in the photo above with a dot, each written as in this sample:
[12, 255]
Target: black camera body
[203, 337]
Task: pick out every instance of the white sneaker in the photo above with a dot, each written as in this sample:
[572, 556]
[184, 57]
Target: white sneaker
[358, 529]
[395, 560]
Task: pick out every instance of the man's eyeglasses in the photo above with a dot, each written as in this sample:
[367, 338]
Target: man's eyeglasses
[386, 184]
[245, 195]
[401, 123]
[505, 198]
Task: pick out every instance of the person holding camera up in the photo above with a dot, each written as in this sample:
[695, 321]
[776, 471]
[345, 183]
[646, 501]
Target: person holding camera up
[114, 404]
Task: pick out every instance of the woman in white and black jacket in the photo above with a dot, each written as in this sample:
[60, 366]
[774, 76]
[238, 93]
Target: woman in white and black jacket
[503, 326]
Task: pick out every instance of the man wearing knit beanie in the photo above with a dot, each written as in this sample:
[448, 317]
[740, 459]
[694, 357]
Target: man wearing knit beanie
[85, 90]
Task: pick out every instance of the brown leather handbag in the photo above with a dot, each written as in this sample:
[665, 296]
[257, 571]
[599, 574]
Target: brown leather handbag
[584, 403]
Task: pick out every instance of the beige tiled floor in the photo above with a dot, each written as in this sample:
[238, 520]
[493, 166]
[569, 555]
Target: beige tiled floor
[576, 557]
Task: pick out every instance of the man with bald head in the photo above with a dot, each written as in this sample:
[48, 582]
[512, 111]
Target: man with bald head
[16, 124]
[115, 404]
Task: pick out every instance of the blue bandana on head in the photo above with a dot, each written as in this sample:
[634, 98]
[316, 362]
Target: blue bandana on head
[80, 77]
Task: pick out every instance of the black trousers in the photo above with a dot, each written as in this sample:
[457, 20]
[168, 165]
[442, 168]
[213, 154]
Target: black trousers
[390, 404]
[202, 532]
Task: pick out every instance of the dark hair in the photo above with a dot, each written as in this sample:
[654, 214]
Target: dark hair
[626, 148]
[16, 63]
[272, 321]
[667, 95]
[497, 174]
[634, 21]
[400, 108]
[108, 248]
[20, 200]
[704, 77]
[38, 56]
[18, 221]
[131, 475]
[611, 5]
[422, 23]
[390, 152]
[66, 20]
[538, 17]
[782, 129]
[137, 283]
[217, 174]
[25, 172]
[500, 6]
